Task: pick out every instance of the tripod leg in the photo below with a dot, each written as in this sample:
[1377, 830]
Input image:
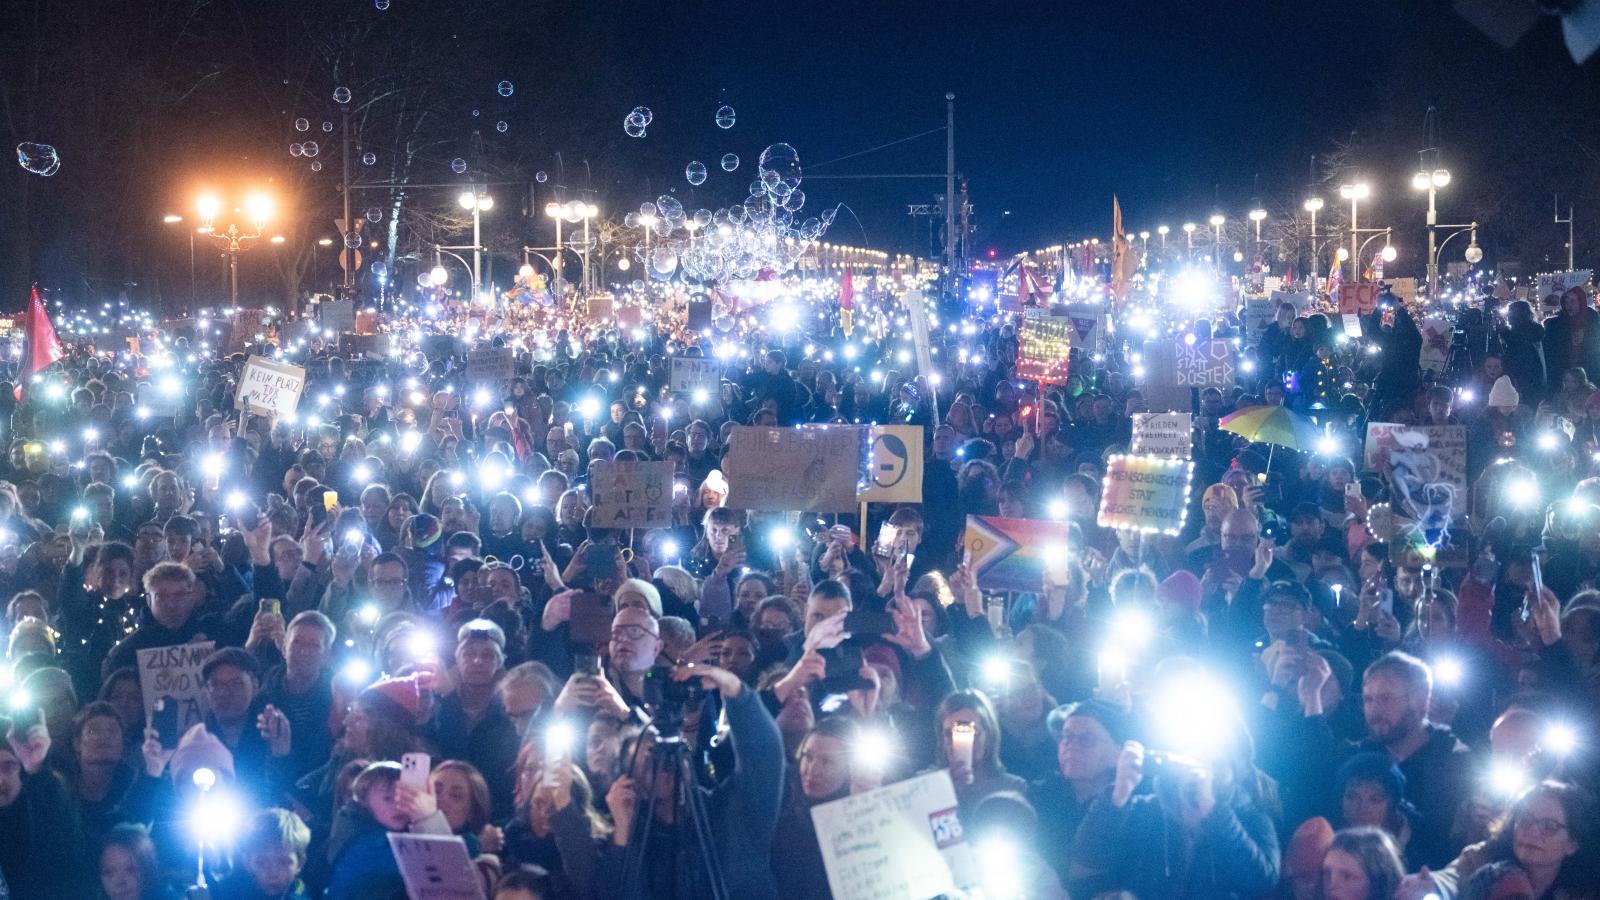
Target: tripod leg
[705, 841]
[644, 818]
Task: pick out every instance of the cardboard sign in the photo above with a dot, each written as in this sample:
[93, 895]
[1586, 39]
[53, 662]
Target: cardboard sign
[1404, 288]
[1009, 554]
[692, 373]
[900, 842]
[269, 388]
[337, 316]
[600, 307]
[1145, 493]
[1160, 382]
[1426, 466]
[435, 866]
[1437, 334]
[245, 326]
[1163, 434]
[813, 469]
[1361, 298]
[1204, 364]
[1043, 345]
[174, 693]
[1257, 315]
[1088, 325]
[1551, 285]
[491, 364]
[895, 472]
[631, 494]
[1352, 324]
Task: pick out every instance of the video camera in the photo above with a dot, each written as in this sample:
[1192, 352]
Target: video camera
[669, 700]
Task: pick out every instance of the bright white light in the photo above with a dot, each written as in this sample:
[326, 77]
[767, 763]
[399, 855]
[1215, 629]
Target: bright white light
[781, 538]
[1561, 739]
[1448, 671]
[1523, 492]
[589, 407]
[997, 670]
[205, 779]
[217, 817]
[559, 739]
[669, 548]
[356, 671]
[1132, 628]
[700, 396]
[423, 645]
[1194, 716]
[361, 474]
[1058, 509]
[410, 441]
[874, 748]
[1507, 779]
[130, 480]
[237, 499]
[1327, 445]
[368, 614]
[1193, 290]
[1001, 868]
[212, 465]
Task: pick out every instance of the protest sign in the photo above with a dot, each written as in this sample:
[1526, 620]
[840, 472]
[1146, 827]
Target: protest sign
[1551, 285]
[816, 469]
[899, 842]
[1145, 493]
[174, 693]
[631, 494]
[1271, 283]
[1437, 334]
[1009, 554]
[1043, 345]
[435, 866]
[895, 475]
[1257, 315]
[337, 316]
[1160, 380]
[269, 388]
[917, 312]
[1163, 434]
[630, 316]
[491, 364]
[247, 328]
[1361, 297]
[692, 373]
[1204, 364]
[1088, 325]
[1302, 301]
[1352, 324]
[1404, 288]
[600, 307]
[699, 315]
[1426, 466]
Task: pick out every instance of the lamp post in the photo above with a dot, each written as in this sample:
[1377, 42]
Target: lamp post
[555, 211]
[1162, 230]
[1473, 253]
[172, 219]
[476, 202]
[258, 207]
[1388, 252]
[1313, 205]
[646, 223]
[1188, 230]
[1355, 192]
[1431, 180]
[1217, 220]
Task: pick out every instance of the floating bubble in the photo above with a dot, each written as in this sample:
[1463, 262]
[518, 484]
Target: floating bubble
[310, 148]
[783, 161]
[374, 214]
[637, 285]
[541, 176]
[424, 281]
[369, 158]
[725, 117]
[297, 150]
[647, 209]
[644, 113]
[730, 162]
[577, 243]
[505, 88]
[670, 208]
[633, 126]
[794, 201]
[631, 220]
[501, 126]
[316, 165]
[695, 172]
[327, 128]
[379, 268]
[302, 124]
[458, 166]
[663, 262]
[476, 113]
[352, 239]
[381, 4]
[702, 218]
[341, 94]
[40, 159]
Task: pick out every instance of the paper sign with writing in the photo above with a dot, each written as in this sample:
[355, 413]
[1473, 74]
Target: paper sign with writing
[1160, 380]
[491, 364]
[1404, 288]
[1352, 324]
[692, 373]
[1205, 364]
[337, 315]
[174, 693]
[1145, 493]
[1426, 466]
[631, 494]
[815, 469]
[903, 841]
[1043, 344]
[1257, 315]
[435, 867]
[1301, 300]
[1437, 334]
[1358, 298]
[1009, 554]
[1088, 324]
[896, 473]
[1163, 434]
[269, 388]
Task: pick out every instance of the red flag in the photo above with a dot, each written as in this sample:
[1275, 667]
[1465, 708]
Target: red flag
[44, 348]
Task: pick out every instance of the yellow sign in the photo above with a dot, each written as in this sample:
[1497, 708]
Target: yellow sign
[896, 473]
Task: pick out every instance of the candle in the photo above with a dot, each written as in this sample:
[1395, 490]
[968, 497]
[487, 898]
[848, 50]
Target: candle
[962, 735]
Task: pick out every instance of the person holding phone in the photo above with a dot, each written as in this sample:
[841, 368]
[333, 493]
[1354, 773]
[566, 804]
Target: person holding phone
[718, 558]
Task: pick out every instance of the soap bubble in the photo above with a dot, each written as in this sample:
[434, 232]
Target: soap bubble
[663, 262]
[369, 158]
[458, 166]
[381, 4]
[644, 113]
[310, 148]
[40, 159]
[634, 125]
[725, 117]
[316, 165]
[501, 126]
[302, 124]
[374, 214]
[794, 201]
[695, 172]
[782, 161]
[476, 113]
[504, 88]
[352, 239]
[647, 209]
[670, 208]
[631, 220]
[541, 176]
[577, 244]
[297, 150]
[730, 162]
[341, 94]
[327, 128]
[379, 268]
[702, 218]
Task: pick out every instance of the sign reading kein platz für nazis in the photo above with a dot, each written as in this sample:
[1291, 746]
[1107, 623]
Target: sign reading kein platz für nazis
[269, 388]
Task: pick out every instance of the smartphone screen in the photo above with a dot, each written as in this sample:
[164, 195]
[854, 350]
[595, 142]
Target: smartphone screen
[887, 536]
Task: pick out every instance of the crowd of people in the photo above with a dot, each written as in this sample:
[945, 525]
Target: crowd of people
[415, 625]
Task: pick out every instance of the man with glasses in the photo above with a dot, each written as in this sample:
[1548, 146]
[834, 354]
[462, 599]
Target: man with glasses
[355, 610]
[1089, 740]
[257, 734]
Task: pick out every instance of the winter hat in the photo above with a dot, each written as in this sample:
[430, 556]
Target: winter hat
[1222, 492]
[1180, 589]
[1377, 768]
[1110, 716]
[425, 530]
[401, 697]
[880, 655]
[1504, 394]
[1306, 849]
[200, 749]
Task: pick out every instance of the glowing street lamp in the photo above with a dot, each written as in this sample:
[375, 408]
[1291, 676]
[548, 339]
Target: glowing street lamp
[258, 209]
[477, 202]
[1313, 205]
[1355, 192]
[1188, 230]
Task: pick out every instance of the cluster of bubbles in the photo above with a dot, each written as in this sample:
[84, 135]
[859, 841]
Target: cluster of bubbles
[741, 240]
[40, 159]
[308, 149]
[637, 121]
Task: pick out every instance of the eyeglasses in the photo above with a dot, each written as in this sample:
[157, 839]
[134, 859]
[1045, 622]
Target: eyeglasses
[388, 582]
[1545, 827]
[630, 632]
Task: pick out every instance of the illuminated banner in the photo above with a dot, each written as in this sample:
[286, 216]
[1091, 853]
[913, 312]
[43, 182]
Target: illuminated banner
[1146, 493]
[1009, 554]
[812, 469]
[1043, 345]
[896, 473]
[269, 388]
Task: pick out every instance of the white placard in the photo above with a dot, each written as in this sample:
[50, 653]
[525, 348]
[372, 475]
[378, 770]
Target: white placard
[172, 688]
[435, 867]
[692, 373]
[269, 388]
[1163, 434]
[900, 842]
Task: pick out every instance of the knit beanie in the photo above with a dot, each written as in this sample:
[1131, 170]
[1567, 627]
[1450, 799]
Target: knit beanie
[1180, 589]
[1504, 394]
[200, 749]
[1306, 849]
[401, 697]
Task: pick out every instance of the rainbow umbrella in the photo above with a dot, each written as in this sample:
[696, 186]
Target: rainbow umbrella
[1274, 426]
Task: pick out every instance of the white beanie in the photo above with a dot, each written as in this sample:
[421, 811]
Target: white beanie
[1503, 393]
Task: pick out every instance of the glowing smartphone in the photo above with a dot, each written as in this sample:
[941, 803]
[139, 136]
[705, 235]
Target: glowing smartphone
[414, 768]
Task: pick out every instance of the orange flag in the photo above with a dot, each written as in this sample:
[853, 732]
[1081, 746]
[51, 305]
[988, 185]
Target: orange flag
[1122, 264]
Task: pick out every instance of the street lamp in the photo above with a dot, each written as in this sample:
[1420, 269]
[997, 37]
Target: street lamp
[1162, 230]
[1355, 193]
[556, 211]
[476, 202]
[1188, 230]
[647, 221]
[172, 219]
[1431, 180]
[1217, 219]
[257, 207]
[1313, 205]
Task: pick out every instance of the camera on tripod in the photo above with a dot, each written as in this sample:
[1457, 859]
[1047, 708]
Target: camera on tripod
[669, 699]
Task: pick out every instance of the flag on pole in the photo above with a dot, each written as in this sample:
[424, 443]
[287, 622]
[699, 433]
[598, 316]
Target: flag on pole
[44, 348]
[847, 304]
[1122, 264]
[1335, 279]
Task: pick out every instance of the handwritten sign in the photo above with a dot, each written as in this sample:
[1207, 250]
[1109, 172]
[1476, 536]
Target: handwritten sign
[1426, 466]
[1551, 285]
[1163, 434]
[903, 841]
[1257, 315]
[1205, 364]
[1009, 554]
[435, 867]
[631, 494]
[1352, 324]
[269, 388]
[174, 693]
[1145, 493]
[1358, 298]
[1043, 345]
[693, 373]
[1438, 333]
[895, 475]
[491, 364]
[815, 469]
[337, 316]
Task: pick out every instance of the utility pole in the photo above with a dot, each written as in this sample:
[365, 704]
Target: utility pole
[348, 253]
[950, 189]
[1567, 222]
